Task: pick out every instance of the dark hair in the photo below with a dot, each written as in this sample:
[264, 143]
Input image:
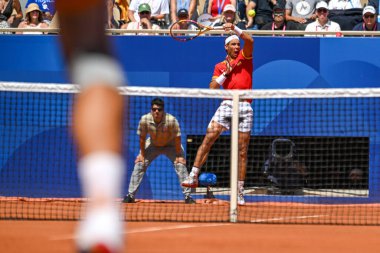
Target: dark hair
[158, 101]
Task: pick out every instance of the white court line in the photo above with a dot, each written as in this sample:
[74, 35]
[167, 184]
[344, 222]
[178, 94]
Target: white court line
[184, 226]
[147, 230]
[286, 218]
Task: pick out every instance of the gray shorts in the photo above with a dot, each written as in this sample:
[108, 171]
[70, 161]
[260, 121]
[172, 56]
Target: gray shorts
[223, 115]
[152, 152]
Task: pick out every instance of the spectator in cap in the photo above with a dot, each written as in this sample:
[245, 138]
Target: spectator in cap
[264, 11]
[279, 22]
[300, 13]
[159, 9]
[216, 8]
[369, 21]
[229, 15]
[10, 12]
[47, 8]
[144, 12]
[188, 5]
[323, 24]
[33, 19]
[183, 14]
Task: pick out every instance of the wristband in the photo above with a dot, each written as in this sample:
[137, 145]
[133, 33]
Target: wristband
[237, 30]
[221, 79]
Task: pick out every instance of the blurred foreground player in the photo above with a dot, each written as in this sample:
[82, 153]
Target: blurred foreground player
[97, 121]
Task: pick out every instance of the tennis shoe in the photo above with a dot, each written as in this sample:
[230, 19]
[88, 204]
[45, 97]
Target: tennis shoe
[191, 181]
[189, 200]
[129, 199]
[99, 248]
[101, 231]
[241, 200]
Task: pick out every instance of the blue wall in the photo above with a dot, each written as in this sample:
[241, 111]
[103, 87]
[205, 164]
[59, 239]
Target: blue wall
[29, 132]
[161, 61]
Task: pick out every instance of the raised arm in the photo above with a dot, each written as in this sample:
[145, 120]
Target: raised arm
[17, 7]
[250, 6]
[248, 44]
[173, 10]
[248, 40]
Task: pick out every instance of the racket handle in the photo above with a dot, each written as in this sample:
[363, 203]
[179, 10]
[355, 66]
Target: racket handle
[218, 27]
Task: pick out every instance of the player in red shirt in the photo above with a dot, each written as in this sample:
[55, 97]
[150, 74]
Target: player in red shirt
[235, 72]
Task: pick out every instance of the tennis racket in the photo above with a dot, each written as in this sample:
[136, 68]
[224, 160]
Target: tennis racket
[194, 30]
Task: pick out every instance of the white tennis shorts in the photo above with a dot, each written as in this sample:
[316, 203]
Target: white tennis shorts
[223, 115]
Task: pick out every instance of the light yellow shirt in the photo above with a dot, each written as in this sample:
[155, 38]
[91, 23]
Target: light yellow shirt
[162, 134]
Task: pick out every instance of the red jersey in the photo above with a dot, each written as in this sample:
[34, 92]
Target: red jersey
[240, 77]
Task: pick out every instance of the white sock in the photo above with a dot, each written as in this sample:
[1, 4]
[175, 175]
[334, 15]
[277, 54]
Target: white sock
[194, 171]
[101, 175]
[241, 186]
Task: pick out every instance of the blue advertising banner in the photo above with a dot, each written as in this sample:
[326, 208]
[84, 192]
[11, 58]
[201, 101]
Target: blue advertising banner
[279, 63]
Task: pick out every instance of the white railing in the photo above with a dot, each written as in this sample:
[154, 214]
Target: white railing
[166, 32]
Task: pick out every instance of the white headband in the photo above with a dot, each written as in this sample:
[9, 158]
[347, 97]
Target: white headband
[232, 37]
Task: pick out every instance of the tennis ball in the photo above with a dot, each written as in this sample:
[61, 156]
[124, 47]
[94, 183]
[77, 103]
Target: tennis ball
[251, 13]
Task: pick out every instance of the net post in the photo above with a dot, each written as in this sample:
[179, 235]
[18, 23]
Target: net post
[234, 156]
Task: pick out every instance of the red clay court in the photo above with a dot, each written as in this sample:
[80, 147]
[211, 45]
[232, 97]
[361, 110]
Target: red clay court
[253, 236]
[57, 236]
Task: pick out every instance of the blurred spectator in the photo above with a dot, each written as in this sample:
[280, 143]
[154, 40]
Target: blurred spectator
[346, 13]
[323, 24]
[188, 5]
[144, 12]
[279, 22]
[47, 8]
[355, 179]
[264, 10]
[299, 13]
[369, 20]
[54, 21]
[344, 4]
[183, 14]
[241, 7]
[111, 22]
[160, 9]
[10, 11]
[122, 8]
[33, 19]
[215, 8]
[4, 24]
[229, 15]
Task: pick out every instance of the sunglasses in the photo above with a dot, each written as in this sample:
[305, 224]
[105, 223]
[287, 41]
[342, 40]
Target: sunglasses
[369, 16]
[322, 10]
[157, 109]
[144, 12]
[278, 14]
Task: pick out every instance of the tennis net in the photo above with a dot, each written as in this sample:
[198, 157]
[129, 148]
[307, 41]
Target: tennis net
[313, 156]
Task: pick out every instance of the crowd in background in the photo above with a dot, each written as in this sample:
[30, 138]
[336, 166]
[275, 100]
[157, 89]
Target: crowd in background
[303, 15]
